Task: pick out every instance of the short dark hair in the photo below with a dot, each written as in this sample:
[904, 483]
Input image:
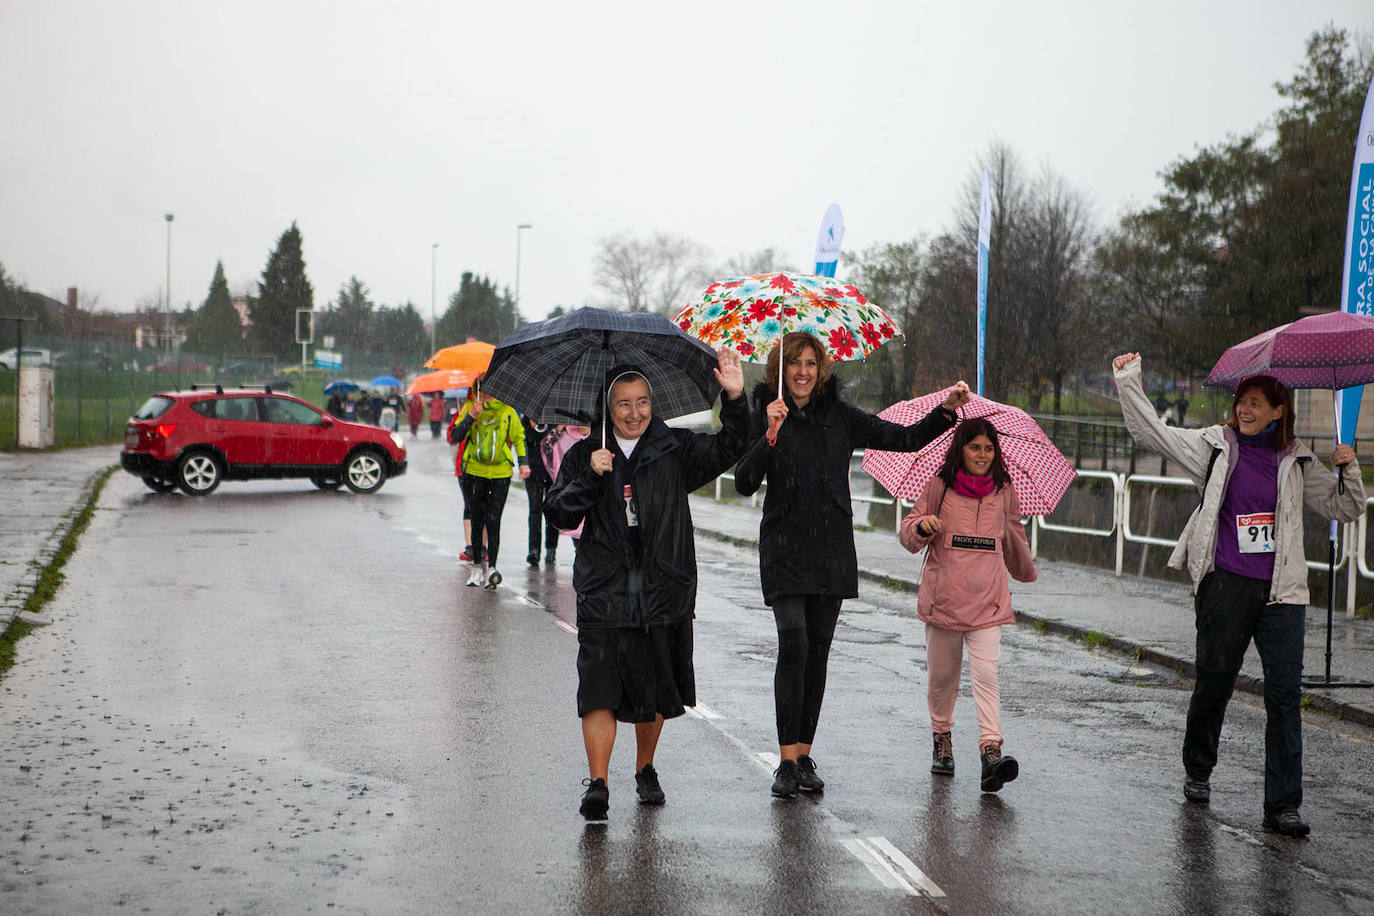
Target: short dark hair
[964, 433]
[1278, 395]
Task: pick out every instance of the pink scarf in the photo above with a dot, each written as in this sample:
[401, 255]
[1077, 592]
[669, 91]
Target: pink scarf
[966, 484]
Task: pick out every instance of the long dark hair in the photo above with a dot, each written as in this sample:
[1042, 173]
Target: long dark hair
[964, 433]
[1278, 395]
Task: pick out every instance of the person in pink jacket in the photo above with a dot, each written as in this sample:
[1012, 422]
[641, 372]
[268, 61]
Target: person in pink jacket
[969, 521]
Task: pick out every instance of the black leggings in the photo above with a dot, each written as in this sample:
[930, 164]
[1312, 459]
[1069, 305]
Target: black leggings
[806, 625]
[534, 491]
[486, 500]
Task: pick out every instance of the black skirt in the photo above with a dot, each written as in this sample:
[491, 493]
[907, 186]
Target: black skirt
[638, 675]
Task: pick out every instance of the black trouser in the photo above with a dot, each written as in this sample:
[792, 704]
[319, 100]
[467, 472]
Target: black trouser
[1232, 610]
[534, 492]
[806, 624]
[486, 500]
[434, 428]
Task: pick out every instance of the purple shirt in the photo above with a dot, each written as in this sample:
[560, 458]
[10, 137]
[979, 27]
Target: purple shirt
[1252, 489]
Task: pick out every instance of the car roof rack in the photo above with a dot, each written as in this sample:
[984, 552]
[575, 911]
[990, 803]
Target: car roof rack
[219, 389]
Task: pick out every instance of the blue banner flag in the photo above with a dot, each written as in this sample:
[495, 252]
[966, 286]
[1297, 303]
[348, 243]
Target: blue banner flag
[984, 252]
[828, 242]
[1357, 280]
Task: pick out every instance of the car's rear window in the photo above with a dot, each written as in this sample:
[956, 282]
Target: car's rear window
[204, 408]
[153, 408]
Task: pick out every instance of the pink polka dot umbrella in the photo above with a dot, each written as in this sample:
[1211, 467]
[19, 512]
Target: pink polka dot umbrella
[1333, 350]
[1039, 472]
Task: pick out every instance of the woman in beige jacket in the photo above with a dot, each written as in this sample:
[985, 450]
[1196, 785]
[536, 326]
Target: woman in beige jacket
[1243, 548]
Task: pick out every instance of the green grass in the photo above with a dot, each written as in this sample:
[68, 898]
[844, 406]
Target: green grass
[1094, 639]
[51, 577]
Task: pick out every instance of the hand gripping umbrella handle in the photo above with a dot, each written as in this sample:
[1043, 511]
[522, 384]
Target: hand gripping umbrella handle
[773, 432]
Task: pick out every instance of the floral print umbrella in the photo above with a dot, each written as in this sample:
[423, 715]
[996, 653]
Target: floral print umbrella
[750, 315]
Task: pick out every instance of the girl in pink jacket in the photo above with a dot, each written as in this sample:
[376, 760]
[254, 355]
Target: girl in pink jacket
[969, 520]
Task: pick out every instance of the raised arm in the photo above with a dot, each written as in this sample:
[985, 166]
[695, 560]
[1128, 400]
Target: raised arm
[1184, 447]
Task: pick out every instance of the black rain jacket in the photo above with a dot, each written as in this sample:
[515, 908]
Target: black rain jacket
[617, 587]
[806, 536]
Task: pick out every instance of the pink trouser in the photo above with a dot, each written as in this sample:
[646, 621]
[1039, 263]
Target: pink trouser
[945, 658]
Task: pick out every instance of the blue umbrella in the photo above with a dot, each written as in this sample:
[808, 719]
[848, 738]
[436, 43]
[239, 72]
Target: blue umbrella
[341, 386]
[385, 381]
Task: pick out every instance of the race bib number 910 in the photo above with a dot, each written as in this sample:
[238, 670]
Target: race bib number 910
[1255, 532]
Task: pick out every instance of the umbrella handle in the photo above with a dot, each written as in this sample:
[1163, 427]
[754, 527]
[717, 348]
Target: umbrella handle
[773, 432]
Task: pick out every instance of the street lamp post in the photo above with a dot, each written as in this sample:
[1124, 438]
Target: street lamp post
[433, 320]
[518, 230]
[167, 325]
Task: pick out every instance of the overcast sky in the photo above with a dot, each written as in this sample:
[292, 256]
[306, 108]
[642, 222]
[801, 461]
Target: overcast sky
[383, 128]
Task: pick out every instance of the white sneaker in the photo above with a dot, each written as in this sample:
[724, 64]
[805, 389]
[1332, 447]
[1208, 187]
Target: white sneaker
[493, 580]
[478, 576]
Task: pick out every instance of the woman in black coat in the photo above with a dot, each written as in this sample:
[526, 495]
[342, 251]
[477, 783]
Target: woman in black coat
[806, 538]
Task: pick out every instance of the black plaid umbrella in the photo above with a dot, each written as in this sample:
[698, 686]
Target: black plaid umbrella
[555, 371]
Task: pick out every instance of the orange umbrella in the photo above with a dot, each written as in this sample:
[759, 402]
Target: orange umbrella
[443, 380]
[472, 356]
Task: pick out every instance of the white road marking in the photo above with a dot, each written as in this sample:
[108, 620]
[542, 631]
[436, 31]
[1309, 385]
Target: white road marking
[702, 711]
[769, 760]
[883, 845]
[564, 626]
[878, 866]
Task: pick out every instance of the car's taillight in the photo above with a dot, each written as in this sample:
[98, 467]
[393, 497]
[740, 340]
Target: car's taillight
[164, 430]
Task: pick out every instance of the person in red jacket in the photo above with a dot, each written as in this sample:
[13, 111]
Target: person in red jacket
[415, 412]
[437, 412]
[969, 521]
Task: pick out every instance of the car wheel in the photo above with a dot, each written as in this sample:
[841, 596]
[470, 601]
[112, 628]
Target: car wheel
[364, 472]
[159, 485]
[198, 473]
[327, 483]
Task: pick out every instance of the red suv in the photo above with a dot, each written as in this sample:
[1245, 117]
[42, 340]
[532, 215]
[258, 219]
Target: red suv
[194, 439]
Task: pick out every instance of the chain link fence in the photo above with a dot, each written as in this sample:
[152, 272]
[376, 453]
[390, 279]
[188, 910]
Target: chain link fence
[99, 383]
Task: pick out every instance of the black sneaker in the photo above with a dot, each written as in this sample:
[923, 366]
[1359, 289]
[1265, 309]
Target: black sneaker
[785, 780]
[1197, 791]
[807, 780]
[596, 800]
[646, 785]
[942, 757]
[1287, 823]
[997, 770]
[532, 558]
[550, 557]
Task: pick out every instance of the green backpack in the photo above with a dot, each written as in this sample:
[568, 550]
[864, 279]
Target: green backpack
[488, 438]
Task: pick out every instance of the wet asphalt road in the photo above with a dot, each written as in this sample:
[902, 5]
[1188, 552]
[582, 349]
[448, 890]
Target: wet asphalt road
[278, 700]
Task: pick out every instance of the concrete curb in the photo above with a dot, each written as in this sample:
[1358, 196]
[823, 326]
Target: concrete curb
[1184, 667]
[12, 607]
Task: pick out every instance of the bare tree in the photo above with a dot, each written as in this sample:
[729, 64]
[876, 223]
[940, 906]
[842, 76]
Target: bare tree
[624, 268]
[1056, 238]
[762, 261]
[682, 272]
[658, 273]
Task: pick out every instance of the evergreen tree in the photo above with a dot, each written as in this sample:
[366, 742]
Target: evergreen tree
[352, 318]
[473, 311]
[400, 333]
[215, 327]
[283, 289]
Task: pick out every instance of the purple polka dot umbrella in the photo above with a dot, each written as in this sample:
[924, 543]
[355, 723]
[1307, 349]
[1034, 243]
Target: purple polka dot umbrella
[1333, 350]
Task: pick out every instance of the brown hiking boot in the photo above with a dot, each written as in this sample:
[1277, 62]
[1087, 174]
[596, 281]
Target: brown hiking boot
[942, 758]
